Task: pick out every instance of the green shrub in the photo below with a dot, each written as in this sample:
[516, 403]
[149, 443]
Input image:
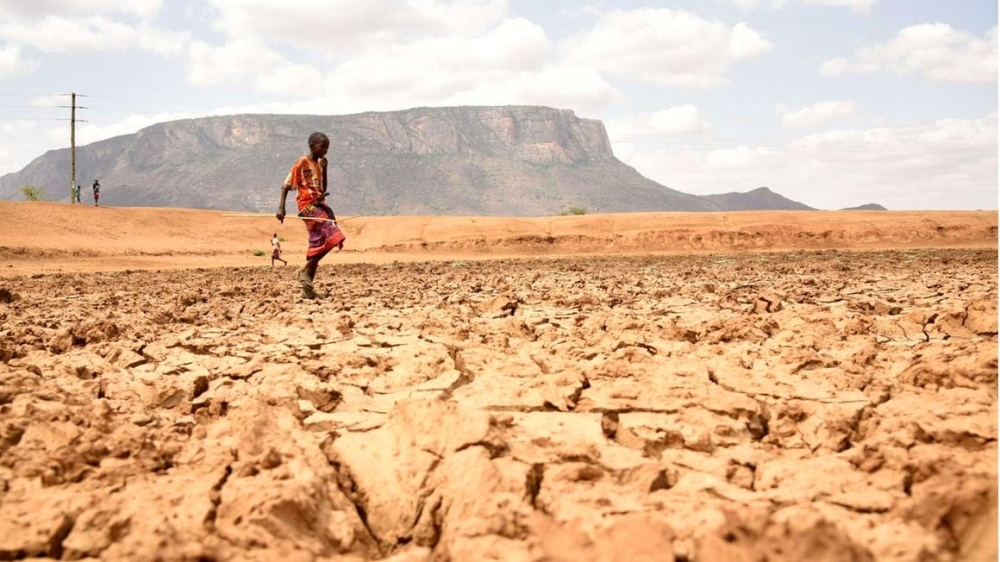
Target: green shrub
[32, 193]
[259, 253]
[573, 211]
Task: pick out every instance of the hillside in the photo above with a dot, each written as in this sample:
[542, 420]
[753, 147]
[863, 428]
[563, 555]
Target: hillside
[507, 161]
[867, 207]
[760, 199]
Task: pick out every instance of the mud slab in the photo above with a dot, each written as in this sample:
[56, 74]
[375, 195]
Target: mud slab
[813, 405]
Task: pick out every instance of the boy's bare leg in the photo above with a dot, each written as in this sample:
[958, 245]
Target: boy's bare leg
[307, 274]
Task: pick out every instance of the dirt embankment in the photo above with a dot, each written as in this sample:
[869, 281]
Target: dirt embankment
[49, 237]
[817, 405]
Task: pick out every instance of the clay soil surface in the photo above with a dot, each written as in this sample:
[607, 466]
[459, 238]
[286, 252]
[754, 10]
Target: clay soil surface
[803, 405]
[58, 238]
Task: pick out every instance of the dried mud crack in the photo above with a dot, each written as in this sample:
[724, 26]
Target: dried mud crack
[810, 405]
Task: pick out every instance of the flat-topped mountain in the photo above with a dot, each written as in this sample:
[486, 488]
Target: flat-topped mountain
[507, 161]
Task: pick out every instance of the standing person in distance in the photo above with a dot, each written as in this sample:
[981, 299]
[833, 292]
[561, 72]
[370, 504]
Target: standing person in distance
[308, 178]
[97, 193]
[77, 193]
[276, 251]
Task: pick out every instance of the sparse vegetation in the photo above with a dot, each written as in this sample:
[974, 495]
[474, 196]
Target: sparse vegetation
[259, 253]
[573, 211]
[32, 193]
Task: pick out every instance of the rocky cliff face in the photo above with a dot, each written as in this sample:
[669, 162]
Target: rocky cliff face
[462, 160]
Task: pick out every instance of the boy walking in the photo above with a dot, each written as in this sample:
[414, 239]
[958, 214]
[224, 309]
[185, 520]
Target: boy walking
[97, 193]
[77, 190]
[308, 178]
[276, 250]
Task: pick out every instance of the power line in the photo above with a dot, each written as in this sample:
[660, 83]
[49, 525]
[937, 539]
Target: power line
[28, 95]
[153, 102]
[32, 119]
[133, 112]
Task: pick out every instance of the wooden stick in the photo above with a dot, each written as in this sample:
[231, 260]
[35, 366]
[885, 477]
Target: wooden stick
[259, 215]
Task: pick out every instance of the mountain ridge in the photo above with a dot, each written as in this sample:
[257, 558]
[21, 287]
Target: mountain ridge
[472, 160]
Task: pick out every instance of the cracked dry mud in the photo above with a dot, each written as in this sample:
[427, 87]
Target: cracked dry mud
[825, 406]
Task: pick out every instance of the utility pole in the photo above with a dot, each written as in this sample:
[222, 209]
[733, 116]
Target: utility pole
[72, 144]
[72, 148]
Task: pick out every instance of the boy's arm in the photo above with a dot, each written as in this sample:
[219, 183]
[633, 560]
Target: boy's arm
[285, 188]
[281, 205]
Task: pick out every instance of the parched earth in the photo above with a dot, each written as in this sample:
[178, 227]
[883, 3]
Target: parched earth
[782, 407]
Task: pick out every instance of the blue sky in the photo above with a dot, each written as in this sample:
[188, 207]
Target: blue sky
[830, 102]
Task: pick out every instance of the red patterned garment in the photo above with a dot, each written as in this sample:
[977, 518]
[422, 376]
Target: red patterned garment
[323, 234]
[306, 178]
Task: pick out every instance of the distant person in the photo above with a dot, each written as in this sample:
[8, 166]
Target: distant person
[308, 178]
[97, 193]
[276, 251]
[78, 202]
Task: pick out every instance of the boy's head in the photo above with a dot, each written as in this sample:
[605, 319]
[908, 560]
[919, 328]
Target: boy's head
[319, 144]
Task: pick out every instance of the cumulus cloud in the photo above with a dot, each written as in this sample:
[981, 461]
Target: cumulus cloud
[235, 60]
[860, 6]
[12, 63]
[680, 120]
[145, 9]
[348, 25]
[935, 51]
[943, 164]
[92, 132]
[815, 114]
[511, 63]
[57, 34]
[745, 5]
[666, 47]
[447, 63]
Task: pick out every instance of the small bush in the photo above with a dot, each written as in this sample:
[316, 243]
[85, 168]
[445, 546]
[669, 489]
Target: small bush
[573, 211]
[32, 193]
[259, 253]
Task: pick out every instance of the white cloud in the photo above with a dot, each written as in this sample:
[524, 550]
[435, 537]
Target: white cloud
[14, 155]
[681, 120]
[443, 65]
[512, 63]
[944, 164]
[815, 114]
[860, 6]
[56, 34]
[934, 50]
[666, 47]
[145, 9]
[12, 64]
[348, 24]
[235, 60]
[560, 87]
[87, 133]
[745, 5]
